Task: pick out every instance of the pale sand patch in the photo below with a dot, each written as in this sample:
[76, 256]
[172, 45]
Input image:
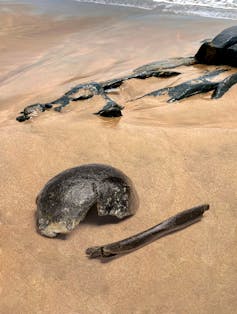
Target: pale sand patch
[178, 155]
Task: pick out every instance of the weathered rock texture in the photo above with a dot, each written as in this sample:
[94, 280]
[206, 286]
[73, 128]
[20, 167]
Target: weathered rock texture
[221, 50]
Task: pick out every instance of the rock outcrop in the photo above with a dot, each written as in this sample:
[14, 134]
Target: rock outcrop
[221, 50]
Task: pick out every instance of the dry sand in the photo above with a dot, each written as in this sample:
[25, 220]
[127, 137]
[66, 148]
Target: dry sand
[178, 155]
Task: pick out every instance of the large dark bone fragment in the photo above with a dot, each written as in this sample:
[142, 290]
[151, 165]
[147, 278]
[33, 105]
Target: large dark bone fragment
[224, 86]
[172, 224]
[66, 199]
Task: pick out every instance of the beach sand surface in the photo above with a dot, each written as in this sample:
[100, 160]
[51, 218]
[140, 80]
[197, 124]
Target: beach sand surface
[178, 155]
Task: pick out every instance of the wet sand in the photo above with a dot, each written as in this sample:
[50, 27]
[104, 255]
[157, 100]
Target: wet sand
[178, 155]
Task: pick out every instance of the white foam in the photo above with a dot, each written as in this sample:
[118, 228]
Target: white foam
[220, 4]
[225, 9]
[142, 4]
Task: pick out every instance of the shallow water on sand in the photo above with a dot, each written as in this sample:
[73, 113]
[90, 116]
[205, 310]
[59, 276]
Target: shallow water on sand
[178, 155]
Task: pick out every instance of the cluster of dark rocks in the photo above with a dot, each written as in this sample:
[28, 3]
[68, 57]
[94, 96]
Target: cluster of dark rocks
[222, 50]
[88, 90]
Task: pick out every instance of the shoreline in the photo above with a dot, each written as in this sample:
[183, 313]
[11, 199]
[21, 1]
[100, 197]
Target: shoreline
[38, 44]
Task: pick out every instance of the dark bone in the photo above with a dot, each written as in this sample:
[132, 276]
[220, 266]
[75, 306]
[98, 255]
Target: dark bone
[174, 223]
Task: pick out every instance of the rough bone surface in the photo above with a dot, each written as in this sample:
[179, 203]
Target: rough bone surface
[66, 199]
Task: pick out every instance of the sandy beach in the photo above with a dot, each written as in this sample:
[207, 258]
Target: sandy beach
[178, 155]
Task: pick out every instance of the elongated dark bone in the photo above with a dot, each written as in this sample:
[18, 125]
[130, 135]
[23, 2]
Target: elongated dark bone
[174, 223]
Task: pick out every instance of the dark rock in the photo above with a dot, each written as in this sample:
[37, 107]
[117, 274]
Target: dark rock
[110, 110]
[79, 92]
[226, 38]
[62, 102]
[218, 51]
[193, 87]
[231, 55]
[48, 106]
[208, 54]
[166, 64]
[188, 89]
[22, 118]
[221, 50]
[115, 83]
[202, 84]
[147, 74]
[142, 75]
[33, 109]
[93, 87]
[58, 109]
[85, 91]
[224, 86]
[84, 96]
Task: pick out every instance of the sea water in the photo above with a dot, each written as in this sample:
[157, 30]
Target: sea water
[226, 9]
